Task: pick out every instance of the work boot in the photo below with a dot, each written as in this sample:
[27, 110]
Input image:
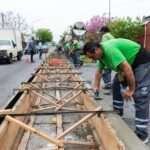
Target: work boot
[144, 138]
[97, 95]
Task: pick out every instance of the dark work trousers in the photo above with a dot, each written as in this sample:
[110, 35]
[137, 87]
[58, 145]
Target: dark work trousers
[76, 58]
[40, 53]
[107, 77]
[141, 98]
[31, 56]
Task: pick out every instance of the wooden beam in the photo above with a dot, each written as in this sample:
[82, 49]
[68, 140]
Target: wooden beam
[45, 98]
[24, 141]
[45, 108]
[59, 122]
[89, 144]
[35, 131]
[2, 111]
[68, 93]
[58, 73]
[68, 100]
[87, 117]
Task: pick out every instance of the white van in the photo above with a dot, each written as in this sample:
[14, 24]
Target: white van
[10, 45]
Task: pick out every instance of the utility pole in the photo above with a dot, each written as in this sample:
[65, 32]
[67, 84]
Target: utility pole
[109, 13]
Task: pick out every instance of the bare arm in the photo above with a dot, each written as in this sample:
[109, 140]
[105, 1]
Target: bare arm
[129, 76]
[98, 75]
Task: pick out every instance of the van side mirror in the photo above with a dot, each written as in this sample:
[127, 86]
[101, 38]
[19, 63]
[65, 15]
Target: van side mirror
[14, 45]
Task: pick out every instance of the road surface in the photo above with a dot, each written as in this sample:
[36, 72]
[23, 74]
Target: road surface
[11, 75]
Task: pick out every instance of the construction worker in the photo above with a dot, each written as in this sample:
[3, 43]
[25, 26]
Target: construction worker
[32, 49]
[75, 52]
[106, 35]
[132, 64]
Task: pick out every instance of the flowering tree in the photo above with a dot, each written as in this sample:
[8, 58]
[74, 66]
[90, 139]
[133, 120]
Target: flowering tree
[95, 23]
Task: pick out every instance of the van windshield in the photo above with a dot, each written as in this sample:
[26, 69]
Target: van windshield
[5, 43]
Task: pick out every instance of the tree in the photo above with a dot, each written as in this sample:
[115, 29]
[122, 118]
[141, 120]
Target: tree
[127, 28]
[13, 21]
[44, 35]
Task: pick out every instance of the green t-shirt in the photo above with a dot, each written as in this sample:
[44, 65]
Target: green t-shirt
[116, 51]
[76, 45]
[106, 37]
[67, 45]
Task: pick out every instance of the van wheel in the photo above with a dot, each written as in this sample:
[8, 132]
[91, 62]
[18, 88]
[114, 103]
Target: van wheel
[10, 59]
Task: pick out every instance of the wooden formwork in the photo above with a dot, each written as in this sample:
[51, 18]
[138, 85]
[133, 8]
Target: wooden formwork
[59, 77]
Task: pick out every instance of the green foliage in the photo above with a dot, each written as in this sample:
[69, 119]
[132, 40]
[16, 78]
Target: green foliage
[127, 28]
[44, 35]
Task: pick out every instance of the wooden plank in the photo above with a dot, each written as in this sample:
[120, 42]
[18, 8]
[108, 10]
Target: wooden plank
[24, 140]
[35, 131]
[68, 93]
[46, 98]
[69, 100]
[87, 117]
[5, 111]
[42, 109]
[59, 122]
[88, 144]
[6, 139]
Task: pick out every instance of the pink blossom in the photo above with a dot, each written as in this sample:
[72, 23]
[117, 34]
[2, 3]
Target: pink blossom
[95, 23]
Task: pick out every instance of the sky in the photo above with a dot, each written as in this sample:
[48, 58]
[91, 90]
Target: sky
[57, 15]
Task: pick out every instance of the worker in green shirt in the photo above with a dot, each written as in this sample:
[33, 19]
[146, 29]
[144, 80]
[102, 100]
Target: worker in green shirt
[106, 35]
[67, 47]
[132, 64]
[75, 52]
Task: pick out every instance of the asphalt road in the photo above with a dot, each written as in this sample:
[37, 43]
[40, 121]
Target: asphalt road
[11, 75]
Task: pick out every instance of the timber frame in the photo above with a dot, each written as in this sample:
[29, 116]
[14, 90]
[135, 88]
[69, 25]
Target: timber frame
[12, 129]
